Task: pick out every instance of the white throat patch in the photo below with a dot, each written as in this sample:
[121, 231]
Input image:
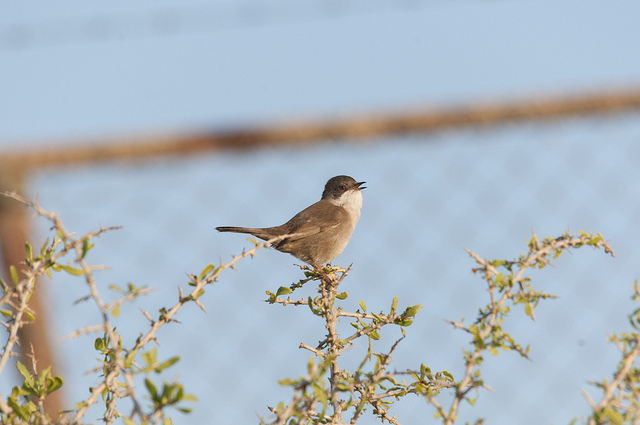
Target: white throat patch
[351, 200]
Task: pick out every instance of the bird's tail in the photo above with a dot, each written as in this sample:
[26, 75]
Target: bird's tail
[258, 233]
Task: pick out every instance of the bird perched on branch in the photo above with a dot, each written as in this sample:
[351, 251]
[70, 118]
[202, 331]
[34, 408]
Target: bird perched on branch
[319, 233]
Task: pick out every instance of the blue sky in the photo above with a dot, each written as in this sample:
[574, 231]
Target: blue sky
[85, 72]
[66, 68]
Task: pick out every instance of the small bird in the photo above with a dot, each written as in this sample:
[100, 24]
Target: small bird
[319, 232]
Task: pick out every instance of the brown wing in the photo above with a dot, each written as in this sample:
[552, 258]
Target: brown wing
[314, 219]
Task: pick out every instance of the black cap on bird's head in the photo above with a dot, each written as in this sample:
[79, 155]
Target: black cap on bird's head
[338, 185]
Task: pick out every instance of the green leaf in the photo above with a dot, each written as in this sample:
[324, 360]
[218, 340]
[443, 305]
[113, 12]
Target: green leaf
[634, 319]
[528, 310]
[44, 376]
[272, 296]
[411, 311]
[23, 371]
[116, 288]
[206, 271]
[71, 270]
[115, 311]
[595, 240]
[168, 363]
[320, 394]
[363, 306]
[86, 246]
[403, 322]
[283, 290]
[189, 397]
[310, 304]
[394, 305]
[54, 384]
[128, 361]
[43, 249]
[14, 275]
[29, 250]
[374, 335]
[342, 386]
[150, 357]
[5, 313]
[19, 410]
[151, 388]
[342, 296]
[448, 375]
[612, 414]
[98, 344]
[30, 315]
[28, 389]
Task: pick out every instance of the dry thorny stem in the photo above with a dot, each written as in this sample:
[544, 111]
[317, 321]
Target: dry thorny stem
[349, 392]
[615, 392]
[620, 402]
[515, 290]
[16, 297]
[361, 387]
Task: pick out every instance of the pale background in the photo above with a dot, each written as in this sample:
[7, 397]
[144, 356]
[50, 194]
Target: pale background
[80, 72]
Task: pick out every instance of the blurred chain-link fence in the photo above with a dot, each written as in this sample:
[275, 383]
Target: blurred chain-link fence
[428, 197]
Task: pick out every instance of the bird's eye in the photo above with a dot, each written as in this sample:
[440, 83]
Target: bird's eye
[342, 187]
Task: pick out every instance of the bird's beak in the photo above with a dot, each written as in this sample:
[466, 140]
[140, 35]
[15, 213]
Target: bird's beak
[357, 186]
